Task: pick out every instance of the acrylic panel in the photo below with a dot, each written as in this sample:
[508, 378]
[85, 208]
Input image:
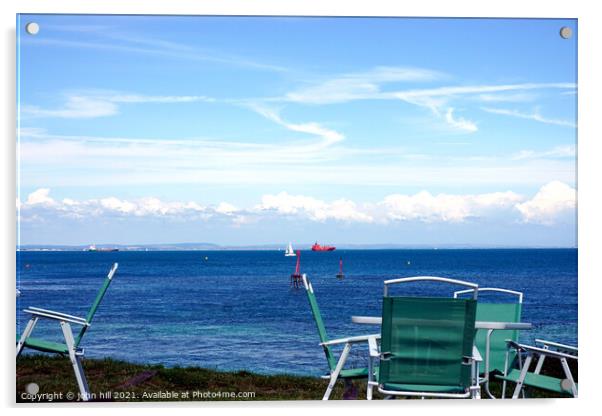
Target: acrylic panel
[203, 200]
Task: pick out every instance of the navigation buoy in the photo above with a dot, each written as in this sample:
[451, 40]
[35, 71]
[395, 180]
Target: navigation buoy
[340, 275]
[296, 278]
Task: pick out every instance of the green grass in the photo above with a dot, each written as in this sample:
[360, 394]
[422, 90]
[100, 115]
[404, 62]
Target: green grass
[134, 382]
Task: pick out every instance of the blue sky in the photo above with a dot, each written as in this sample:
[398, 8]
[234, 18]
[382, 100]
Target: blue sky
[245, 131]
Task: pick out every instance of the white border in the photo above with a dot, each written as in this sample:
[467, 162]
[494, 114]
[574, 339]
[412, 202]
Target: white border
[590, 273]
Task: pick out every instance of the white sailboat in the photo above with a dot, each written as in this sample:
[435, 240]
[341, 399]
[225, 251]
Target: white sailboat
[289, 251]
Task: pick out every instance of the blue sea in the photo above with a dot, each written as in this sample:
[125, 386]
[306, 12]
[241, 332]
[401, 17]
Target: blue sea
[231, 310]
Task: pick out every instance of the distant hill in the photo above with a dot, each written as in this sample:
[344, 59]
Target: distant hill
[276, 246]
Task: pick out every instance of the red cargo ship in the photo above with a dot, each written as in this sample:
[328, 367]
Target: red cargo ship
[318, 247]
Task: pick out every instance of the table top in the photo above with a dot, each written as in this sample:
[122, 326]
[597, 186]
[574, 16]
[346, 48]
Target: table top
[377, 320]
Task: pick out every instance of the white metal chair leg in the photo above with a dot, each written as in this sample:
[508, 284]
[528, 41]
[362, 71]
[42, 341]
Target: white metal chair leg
[26, 333]
[370, 380]
[521, 378]
[75, 357]
[539, 365]
[569, 376]
[335, 374]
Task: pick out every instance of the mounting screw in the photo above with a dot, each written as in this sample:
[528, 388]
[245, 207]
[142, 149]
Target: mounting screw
[32, 28]
[566, 32]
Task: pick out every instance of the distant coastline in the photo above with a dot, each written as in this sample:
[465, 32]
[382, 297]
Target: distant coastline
[271, 247]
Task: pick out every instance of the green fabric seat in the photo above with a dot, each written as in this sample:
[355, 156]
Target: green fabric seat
[536, 380]
[71, 345]
[425, 343]
[356, 373]
[497, 312]
[346, 374]
[423, 388]
[46, 346]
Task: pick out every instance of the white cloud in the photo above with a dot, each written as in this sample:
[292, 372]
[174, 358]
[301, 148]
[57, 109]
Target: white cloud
[39, 196]
[459, 123]
[148, 206]
[426, 207]
[451, 91]
[112, 40]
[226, 208]
[556, 152]
[75, 107]
[312, 208]
[112, 203]
[552, 201]
[137, 98]
[93, 104]
[535, 116]
[508, 98]
[329, 136]
[104, 161]
[359, 85]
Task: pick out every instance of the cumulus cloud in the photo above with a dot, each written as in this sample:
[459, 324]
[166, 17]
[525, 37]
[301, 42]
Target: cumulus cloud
[225, 208]
[39, 196]
[426, 207]
[552, 200]
[312, 208]
[549, 204]
[142, 207]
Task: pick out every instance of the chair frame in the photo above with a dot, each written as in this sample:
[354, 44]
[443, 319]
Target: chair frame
[474, 391]
[485, 379]
[547, 349]
[348, 342]
[73, 350]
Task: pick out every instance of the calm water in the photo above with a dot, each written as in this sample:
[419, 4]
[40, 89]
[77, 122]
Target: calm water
[236, 310]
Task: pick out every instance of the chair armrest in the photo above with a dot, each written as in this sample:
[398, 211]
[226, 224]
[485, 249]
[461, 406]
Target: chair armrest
[512, 344]
[45, 313]
[476, 355]
[351, 340]
[373, 347]
[556, 345]
[539, 351]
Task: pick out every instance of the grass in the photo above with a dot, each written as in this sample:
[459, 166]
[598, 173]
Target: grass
[112, 380]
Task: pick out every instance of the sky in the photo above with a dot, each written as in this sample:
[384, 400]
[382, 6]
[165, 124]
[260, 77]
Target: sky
[264, 130]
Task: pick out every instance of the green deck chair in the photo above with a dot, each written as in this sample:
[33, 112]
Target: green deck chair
[336, 367]
[427, 345]
[493, 342]
[71, 345]
[542, 350]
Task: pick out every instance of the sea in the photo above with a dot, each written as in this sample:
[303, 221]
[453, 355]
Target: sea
[236, 310]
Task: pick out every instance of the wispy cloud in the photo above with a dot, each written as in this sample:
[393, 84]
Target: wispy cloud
[509, 98]
[106, 161]
[556, 152]
[93, 104]
[369, 86]
[329, 136]
[128, 43]
[74, 107]
[459, 123]
[359, 85]
[535, 116]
